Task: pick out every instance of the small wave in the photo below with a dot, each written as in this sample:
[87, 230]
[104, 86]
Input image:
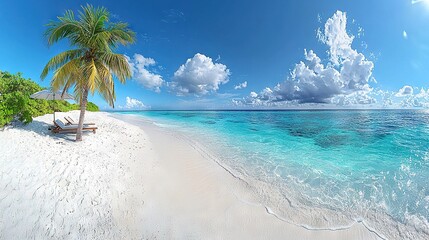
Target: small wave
[164, 125]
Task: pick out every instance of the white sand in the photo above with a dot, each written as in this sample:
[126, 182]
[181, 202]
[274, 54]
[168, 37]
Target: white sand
[126, 183]
[55, 188]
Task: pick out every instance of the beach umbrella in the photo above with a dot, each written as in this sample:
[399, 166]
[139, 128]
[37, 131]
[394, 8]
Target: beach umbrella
[50, 95]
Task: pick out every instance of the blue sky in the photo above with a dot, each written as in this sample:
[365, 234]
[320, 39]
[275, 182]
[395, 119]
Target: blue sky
[194, 54]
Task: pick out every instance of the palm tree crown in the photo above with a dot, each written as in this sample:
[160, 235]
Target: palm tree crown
[92, 64]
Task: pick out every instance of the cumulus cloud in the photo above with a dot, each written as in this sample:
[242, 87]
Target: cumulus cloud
[409, 99]
[386, 97]
[337, 38]
[423, 93]
[354, 99]
[405, 91]
[140, 68]
[346, 76]
[241, 85]
[134, 104]
[406, 97]
[199, 76]
[421, 99]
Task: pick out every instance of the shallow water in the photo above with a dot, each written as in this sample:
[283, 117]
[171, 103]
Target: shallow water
[370, 165]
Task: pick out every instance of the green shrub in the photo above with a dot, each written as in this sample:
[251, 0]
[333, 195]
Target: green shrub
[15, 101]
[92, 107]
[14, 98]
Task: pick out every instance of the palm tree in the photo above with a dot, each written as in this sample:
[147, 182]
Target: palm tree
[92, 64]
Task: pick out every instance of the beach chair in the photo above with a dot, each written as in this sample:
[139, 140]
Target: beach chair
[70, 121]
[61, 127]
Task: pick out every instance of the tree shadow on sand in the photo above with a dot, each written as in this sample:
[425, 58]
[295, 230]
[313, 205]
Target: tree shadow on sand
[43, 129]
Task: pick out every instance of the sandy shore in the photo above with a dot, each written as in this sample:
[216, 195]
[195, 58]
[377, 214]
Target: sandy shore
[54, 188]
[130, 180]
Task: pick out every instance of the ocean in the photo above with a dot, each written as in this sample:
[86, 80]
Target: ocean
[324, 169]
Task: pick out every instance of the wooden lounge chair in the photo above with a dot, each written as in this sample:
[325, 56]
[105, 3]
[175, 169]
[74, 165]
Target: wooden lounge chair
[70, 121]
[61, 127]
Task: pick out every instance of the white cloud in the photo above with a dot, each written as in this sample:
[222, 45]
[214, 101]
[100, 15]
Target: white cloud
[405, 91]
[409, 99]
[386, 97]
[134, 104]
[139, 66]
[358, 98]
[410, 103]
[423, 93]
[241, 85]
[405, 35]
[337, 38]
[404, 98]
[346, 76]
[199, 76]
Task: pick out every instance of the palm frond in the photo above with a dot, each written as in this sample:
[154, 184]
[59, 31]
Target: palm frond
[65, 73]
[68, 84]
[90, 71]
[60, 59]
[118, 65]
[66, 27]
[105, 84]
[120, 34]
[95, 19]
[99, 42]
[78, 91]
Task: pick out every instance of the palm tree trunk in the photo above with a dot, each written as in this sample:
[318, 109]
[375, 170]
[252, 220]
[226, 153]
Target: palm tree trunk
[83, 104]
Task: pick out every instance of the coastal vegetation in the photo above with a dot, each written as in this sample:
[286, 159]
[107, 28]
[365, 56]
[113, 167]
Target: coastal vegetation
[91, 65]
[15, 101]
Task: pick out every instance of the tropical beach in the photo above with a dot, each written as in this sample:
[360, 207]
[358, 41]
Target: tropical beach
[223, 120]
[139, 190]
[142, 190]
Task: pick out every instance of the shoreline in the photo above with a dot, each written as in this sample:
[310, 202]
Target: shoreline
[252, 205]
[131, 181]
[279, 198]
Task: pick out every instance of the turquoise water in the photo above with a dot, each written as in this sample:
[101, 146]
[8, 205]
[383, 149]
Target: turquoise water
[370, 166]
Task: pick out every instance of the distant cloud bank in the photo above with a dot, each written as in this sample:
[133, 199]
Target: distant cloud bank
[134, 104]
